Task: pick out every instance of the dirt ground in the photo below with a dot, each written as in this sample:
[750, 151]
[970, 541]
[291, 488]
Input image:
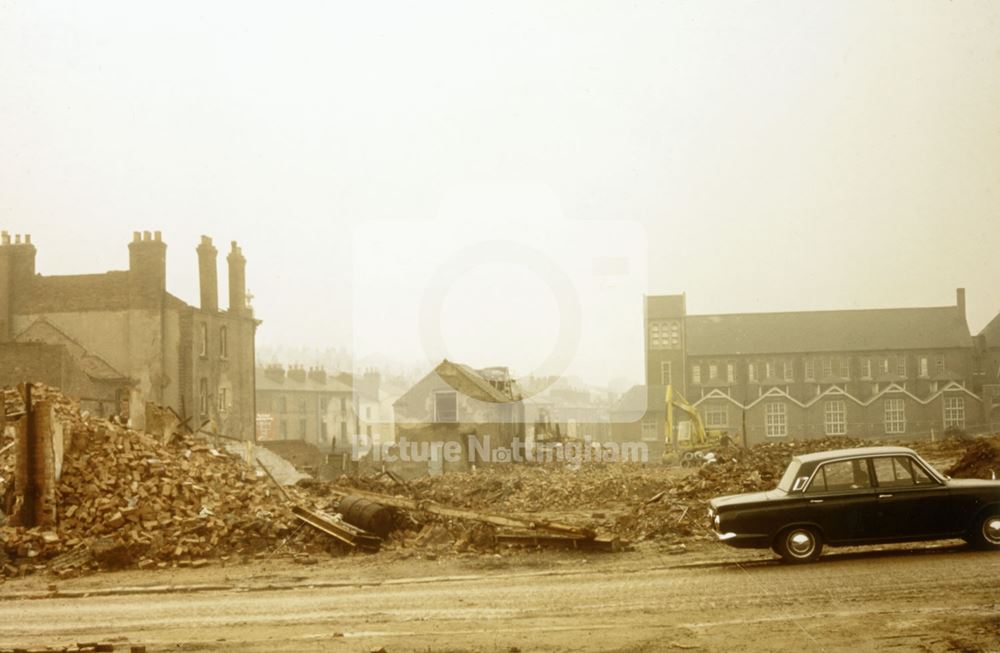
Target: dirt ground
[931, 599]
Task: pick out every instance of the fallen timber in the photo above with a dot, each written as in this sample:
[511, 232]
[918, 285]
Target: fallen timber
[555, 528]
[338, 529]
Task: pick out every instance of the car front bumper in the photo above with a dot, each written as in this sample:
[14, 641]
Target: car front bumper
[744, 540]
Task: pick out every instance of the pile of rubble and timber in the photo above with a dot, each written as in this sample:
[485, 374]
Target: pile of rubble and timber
[127, 499]
[617, 501]
[981, 459]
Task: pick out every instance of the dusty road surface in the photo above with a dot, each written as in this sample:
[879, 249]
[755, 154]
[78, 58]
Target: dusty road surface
[943, 598]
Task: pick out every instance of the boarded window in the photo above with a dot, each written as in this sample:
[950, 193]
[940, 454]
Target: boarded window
[445, 407]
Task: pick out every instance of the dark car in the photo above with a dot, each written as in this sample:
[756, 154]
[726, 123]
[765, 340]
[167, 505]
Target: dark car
[872, 495]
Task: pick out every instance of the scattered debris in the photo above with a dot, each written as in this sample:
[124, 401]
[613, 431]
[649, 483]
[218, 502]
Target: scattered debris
[981, 460]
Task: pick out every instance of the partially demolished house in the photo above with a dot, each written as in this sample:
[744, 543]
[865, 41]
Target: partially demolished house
[898, 372]
[119, 338]
[457, 404]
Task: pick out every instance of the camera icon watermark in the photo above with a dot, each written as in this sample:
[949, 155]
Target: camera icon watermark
[499, 318]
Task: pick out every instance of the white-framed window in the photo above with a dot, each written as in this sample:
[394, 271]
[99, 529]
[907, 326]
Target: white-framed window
[775, 420]
[789, 370]
[835, 417]
[883, 366]
[223, 342]
[827, 367]
[895, 416]
[866, 368]
[696, 374]
[845, 367]
[954, 412]
[713, 371]
[769, 370]
[446, 406]
[666, 373]
[223, 399]
[649, 431]
[939, 364]
[202, 339]
[730, 373]
[810, 369]
[665, 334]
[752, 372]
[924, 367]
[901, 366]
[716, 416]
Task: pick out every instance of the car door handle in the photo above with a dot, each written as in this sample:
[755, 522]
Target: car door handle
[884, 496]
[815, 501]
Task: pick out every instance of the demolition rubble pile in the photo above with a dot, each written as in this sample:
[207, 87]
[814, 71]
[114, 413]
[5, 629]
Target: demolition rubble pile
[629, 501]
[980, 460]
[126, 499]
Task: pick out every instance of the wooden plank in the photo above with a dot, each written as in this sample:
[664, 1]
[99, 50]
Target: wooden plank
[340, 530]
[472, 515]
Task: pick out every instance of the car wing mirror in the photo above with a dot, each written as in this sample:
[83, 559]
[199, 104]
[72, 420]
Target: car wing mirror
[800, 484]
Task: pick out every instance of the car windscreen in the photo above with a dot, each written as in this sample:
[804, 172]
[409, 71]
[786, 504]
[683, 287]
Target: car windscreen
[788, 478]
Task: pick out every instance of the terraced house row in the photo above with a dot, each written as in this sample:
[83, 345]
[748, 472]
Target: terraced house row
[897, 372]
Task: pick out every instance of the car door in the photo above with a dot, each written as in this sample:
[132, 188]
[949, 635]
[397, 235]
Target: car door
[841, 500]
[911, 504]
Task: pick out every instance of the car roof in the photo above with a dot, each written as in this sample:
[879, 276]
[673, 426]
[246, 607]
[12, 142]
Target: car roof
[820, 456]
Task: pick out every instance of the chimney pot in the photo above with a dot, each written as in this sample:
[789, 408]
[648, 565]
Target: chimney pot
[960, 301]
[27, 239]
[17, 239]
[156, 236]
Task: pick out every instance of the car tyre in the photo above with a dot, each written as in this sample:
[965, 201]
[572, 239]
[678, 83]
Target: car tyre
[985, 532]
[799, 544]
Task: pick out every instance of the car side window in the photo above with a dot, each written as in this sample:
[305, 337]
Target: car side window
[839, 476]
[899, 471]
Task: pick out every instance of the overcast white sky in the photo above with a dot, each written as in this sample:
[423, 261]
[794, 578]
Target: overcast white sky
[760, 156]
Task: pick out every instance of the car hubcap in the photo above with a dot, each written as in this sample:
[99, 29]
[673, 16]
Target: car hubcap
[991, 529]
[801, 543]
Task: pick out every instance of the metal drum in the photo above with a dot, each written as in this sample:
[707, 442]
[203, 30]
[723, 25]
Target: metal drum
[364, 513]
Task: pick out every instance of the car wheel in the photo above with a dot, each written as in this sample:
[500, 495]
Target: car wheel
[799, 544]
[985, 533]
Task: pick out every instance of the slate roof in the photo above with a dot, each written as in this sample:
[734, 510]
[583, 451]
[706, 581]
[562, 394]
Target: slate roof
[992, 332]
[468, 381]
[828, 331]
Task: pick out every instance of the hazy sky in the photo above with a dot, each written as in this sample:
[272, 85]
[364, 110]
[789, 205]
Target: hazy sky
[759, 156]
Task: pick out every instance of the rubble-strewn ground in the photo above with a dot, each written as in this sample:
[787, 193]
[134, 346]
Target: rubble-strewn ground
[128, 500]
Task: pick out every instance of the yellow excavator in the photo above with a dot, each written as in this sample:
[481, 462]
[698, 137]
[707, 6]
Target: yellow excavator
[691, 443]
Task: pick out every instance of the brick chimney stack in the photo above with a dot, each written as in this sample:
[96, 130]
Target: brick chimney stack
[208, 274]
[237, 281]
[960, 301]
[297, 373]
[17, 270]
[317, 374]
[147, 267]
